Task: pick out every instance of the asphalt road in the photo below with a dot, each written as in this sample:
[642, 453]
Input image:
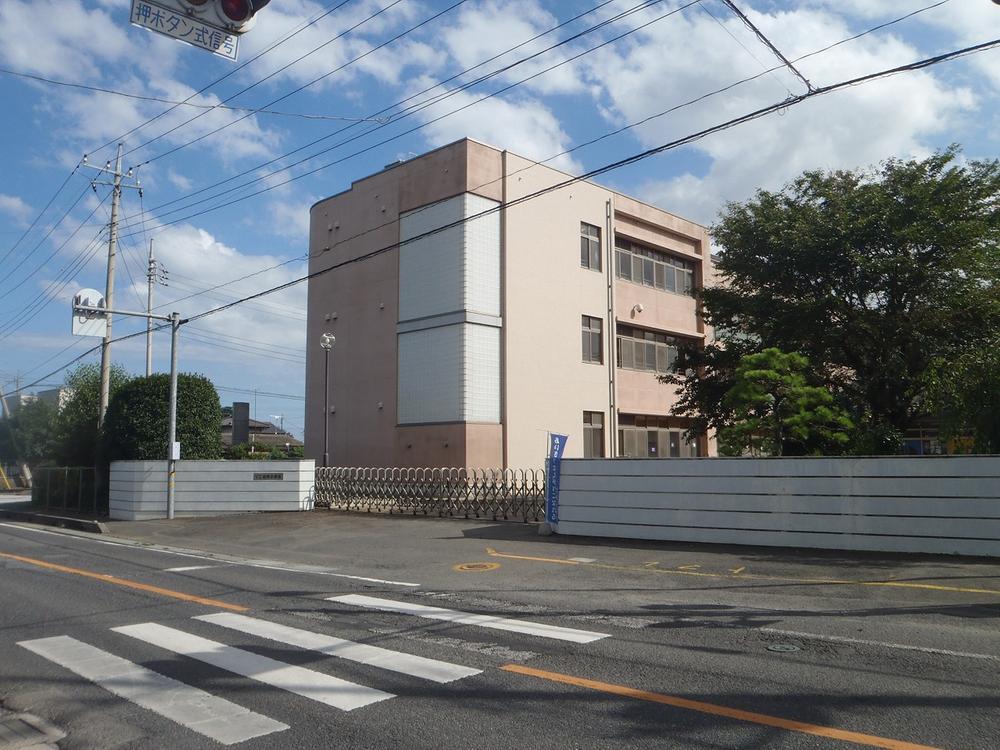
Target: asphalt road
[167, 634]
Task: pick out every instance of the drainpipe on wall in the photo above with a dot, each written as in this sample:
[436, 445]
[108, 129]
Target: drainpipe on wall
[503, 309]
[612, 330]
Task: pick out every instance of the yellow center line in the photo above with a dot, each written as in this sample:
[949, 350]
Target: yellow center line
[747, 576]
[127, 583]
[717, 710]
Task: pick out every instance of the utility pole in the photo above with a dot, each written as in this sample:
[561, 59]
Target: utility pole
[150, 278]
[109, 293]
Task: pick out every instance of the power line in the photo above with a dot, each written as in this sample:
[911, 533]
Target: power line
[642, 155]
[756, 114]
[255, 342]
[630, 126]
[10, 274]
[290, 35]
[76, 359]
[259, 393]
[767, 42]
[271, 75]
[185, 103]
[406, 132]
[40, 214]
[397, 116]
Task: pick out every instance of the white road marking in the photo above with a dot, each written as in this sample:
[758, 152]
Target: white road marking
[467, 618]
[265, 564]
[195, 709]
[416, 666]
[186, 568]
[314, 685]
[584, 559]
[864, 642]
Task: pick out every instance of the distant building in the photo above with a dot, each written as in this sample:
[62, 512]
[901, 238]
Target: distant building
[465, 347]
[263, 436]
[57, 397]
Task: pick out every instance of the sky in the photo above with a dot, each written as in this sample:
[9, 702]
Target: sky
[326, 93]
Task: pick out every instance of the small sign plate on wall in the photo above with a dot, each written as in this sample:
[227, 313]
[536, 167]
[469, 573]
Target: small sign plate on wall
[268, 476]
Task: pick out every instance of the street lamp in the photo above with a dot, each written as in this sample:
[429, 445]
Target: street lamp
[326, 341]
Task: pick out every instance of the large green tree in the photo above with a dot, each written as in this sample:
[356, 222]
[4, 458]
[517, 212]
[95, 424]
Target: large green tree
[77, 434]
[136, 426]
[874, 275]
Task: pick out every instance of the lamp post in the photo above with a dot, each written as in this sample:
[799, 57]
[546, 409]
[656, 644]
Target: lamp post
[326, 341]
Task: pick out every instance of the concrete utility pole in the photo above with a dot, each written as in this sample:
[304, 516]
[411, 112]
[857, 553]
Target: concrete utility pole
[109, 292]
[109, 298]
[150, 279]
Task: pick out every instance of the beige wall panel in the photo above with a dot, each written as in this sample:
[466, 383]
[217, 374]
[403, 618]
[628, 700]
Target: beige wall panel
[658, 237]
[548, 386]
[641, 393]
[661, 310]
[485, 175]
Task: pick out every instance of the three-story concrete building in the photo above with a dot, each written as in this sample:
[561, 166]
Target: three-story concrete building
[478, 303]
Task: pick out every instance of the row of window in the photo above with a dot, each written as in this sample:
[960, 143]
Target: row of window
[639, 436]
[637, 348]
[649, 267]
[638, 263]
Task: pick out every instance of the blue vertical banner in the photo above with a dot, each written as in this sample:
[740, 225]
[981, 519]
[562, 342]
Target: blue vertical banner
[557, 444]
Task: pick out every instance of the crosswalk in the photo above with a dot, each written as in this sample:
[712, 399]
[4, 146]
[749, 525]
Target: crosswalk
[229, 723]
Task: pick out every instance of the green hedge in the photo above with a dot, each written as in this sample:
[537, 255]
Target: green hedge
[136, 425]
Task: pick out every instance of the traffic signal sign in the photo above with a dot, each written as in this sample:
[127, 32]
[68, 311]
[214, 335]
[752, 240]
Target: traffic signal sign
[234, 16]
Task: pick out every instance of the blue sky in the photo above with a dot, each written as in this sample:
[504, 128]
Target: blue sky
[667, 55]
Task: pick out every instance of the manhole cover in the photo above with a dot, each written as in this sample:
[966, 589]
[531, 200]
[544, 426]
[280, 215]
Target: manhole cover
[476, 567]
[783, 648]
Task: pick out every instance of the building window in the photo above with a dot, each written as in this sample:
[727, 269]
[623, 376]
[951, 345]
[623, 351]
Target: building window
[590, 246]
[639, 349]
[641, 436]
[593, 434]
[649, 267]
[593, 349]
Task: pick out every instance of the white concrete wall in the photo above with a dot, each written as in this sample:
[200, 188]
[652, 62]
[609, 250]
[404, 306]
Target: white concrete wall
[936, 504]
[138, 489]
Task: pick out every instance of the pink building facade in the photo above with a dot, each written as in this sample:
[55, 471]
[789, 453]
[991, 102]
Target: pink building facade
[478, 305]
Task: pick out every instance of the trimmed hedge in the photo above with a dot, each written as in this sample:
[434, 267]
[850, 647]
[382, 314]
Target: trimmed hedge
[136, 425]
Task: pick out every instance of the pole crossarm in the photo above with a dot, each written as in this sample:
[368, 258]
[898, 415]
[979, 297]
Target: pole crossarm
[89, 308]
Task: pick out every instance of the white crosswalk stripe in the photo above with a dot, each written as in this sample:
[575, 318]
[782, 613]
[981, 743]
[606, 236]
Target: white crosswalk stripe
[317, 686]
[188, 706]
[396, 661]
[467, 618]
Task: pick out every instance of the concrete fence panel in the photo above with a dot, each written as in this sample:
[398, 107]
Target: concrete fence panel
[138, 489]
[937, 504]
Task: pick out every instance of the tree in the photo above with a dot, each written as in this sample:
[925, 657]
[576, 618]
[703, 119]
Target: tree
[29, 436]
[137, 422]
[873, 275]
[773, 409]
[965, 395]
[77, 434]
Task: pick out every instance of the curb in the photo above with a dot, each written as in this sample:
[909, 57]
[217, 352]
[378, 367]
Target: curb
[64, 522]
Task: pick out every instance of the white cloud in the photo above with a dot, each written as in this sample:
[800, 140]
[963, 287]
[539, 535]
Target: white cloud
[290, 219]
[195, 260]
[523, 125]
[487, 29]
[59, 37]
[318, 45]
[179, 181]
[15, 208]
